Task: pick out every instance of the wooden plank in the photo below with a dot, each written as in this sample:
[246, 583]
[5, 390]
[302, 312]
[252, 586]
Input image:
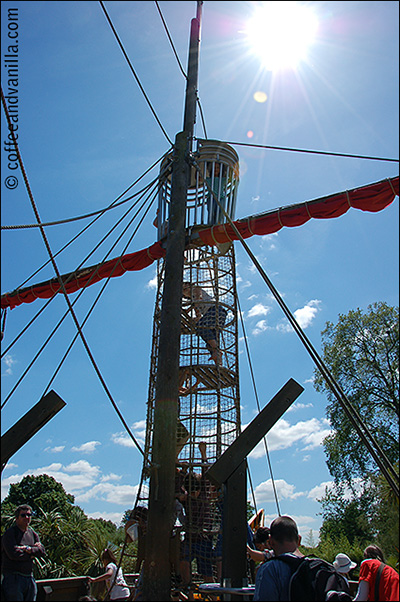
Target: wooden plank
[30, 424]
[231, 459]
[209, 376]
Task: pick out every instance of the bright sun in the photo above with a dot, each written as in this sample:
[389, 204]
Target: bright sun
[280, 33]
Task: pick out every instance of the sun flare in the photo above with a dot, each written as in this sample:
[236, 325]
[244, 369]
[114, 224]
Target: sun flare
[281, 33]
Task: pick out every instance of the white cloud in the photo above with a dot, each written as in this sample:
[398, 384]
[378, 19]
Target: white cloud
[299, 406]
[85, 482]
[10, 465]
[122, 495]
[55, 450]
[258, 310]
[86, 448]
[114, 517]
[264, 492]
[309, 433]
[317, 492]
[110, 477]
[74, 477]
[123, 439]
[306, 314]
[9, 361]
[152, 284]
[260, 327]
[138, 431]
[270, 240]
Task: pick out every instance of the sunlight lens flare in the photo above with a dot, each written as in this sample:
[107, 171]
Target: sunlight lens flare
[280, 33]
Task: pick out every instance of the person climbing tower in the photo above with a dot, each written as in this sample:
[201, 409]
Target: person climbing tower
[210, 318]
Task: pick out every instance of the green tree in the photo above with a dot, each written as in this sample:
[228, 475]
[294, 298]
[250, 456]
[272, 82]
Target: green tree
[362, 353]
[348, 516]
[42, 493]
[73, 542]
[387, 515]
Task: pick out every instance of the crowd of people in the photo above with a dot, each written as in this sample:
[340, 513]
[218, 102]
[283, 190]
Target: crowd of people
[377, 580]
[276, 550]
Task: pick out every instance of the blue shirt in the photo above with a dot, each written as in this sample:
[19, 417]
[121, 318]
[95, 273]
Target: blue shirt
[272, 581]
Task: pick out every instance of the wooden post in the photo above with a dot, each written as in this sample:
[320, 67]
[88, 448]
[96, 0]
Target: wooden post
[157, 569]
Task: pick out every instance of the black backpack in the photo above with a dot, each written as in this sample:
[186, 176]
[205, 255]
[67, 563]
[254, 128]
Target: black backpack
[315, 579]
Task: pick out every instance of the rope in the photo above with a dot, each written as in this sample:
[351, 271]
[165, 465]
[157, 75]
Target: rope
[170, 40]
[71, 310]
[100, 212]
[258, 407]
[104, 259]
[251, 487]
[71, 275]
[94, 303]
[3, 323]
[134, 72]
[309, 151]
[88, 226]
[180, 65]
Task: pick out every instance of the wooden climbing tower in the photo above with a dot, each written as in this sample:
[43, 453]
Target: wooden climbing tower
[209, 402]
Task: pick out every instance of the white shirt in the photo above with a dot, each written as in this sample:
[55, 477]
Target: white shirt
[120, 588]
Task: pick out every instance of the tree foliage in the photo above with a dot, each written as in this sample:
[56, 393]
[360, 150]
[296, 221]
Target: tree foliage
[349, 516]
[42, 493]
[362, 353]
[73, 542]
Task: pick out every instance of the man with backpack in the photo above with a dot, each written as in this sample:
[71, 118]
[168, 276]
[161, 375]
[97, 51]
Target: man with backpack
[273, 577]
[292, 576]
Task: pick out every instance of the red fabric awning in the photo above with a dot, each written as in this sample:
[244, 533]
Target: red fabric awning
[85, 277]
[373, 197]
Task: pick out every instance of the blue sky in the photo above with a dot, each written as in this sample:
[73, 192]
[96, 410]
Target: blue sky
[86, 133]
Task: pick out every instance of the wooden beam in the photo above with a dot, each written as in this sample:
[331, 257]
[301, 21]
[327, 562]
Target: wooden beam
[29, 425]
[231, 459]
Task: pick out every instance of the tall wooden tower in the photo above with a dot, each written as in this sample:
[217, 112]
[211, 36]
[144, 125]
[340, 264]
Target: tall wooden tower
[209, 403]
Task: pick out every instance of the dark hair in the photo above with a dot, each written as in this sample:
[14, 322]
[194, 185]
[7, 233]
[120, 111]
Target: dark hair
[21, 509]
[374, 552]
[283, 529]
[261, 535]
[108, 556]
[139, 513]
[192, 482]
[187, 285]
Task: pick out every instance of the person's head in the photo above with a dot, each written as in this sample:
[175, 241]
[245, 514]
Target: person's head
[373, 552]
[261, 538]
[186, 289]
[284, 536]
[23, 516]
[107, 556]
[139, 514]
[192, 484]
[343, 564]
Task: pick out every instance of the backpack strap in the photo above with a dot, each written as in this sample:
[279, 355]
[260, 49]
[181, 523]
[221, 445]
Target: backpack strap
[377, 580]
[292, 561]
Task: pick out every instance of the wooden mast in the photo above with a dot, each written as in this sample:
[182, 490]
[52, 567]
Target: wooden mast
[156, 571]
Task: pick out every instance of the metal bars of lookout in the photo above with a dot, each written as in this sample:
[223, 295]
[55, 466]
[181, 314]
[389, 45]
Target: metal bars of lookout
[209, 403]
